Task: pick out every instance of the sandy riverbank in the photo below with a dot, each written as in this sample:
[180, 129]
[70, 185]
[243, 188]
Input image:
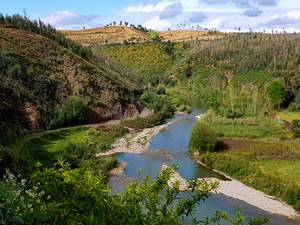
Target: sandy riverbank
[134, 142]
[235, 189]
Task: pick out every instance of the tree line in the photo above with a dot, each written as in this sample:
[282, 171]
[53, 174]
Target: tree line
[241, 69]
[38, 27]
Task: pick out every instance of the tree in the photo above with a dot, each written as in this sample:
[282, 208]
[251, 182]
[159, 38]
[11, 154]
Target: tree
[72, 112]
[276, 93]
[203, 138]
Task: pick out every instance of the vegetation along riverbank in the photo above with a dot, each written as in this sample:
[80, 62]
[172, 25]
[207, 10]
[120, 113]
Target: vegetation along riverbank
[259, 152]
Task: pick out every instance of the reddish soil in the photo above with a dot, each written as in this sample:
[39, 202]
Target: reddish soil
[234, 144]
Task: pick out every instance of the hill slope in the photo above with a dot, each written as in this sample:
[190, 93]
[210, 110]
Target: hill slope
[237, 74]
[121, 34]
[105, 35]
[188, 35]
[38, 76]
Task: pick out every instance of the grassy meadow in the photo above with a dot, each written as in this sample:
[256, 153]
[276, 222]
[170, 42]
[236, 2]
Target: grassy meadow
[76, 145]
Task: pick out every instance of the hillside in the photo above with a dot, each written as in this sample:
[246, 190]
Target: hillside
[122, 34]
[234, 75]
[237, 74]
[38, 77]
[106, 35]
[188, 35]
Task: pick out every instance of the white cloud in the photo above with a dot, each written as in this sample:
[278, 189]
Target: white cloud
[157, 24]
[295, 14]
[146, 8]
[217, 23]
[221, 14]
[171, 11]
[68, 20]
[290, 19]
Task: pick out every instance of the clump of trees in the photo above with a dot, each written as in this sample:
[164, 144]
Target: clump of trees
[126, 24]
[38, 27]
[73, 112]
[157, 102]
[203, 138]
[277, 94]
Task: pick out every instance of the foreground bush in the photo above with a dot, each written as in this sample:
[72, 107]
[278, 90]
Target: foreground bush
[63, 196]
[203, 138]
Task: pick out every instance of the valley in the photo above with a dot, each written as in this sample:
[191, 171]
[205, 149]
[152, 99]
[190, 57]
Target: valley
[73, 108]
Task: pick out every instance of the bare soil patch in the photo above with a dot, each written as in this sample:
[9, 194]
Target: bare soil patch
[229, 144]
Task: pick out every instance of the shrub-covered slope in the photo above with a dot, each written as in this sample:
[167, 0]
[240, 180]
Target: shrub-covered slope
[149, 60]
[242, 73]
[38, 76]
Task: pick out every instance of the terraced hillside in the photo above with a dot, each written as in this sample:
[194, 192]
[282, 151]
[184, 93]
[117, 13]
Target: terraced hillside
[149, 60]
[106, 35]
[39, 76]
[188, 35]
[123, 34]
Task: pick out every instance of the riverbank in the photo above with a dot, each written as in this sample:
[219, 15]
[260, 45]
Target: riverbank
[259, 152]
[138, 142]
[134, 142]
[235, 189]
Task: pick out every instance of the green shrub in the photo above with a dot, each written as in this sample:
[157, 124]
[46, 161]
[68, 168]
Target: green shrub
[73, 112]
[20, 204]
[185, 108]
[100, 104]
[141, 123]
[232, 114]
[159, 103]
[203, 138]
[296, 128]
[276, 94]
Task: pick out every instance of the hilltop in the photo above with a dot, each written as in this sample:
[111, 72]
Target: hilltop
[106, 35]
[123, 34]
[188, 35]
[40, 78]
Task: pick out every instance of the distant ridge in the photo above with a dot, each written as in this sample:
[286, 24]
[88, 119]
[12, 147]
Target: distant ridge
[123, 34]
[106, 35]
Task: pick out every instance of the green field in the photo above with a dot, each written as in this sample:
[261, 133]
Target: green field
[76, 145]
[288, 169]
[262, 130]
[289, 116]
[269, 161]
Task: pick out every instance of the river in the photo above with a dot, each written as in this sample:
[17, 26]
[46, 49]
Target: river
[169, 147]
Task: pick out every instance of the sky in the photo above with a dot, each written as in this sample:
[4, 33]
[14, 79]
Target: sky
[223, 15]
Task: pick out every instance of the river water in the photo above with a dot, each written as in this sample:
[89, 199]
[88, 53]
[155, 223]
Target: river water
[169, 147]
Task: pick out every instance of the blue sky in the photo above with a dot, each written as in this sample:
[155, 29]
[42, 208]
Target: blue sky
[225, 15]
